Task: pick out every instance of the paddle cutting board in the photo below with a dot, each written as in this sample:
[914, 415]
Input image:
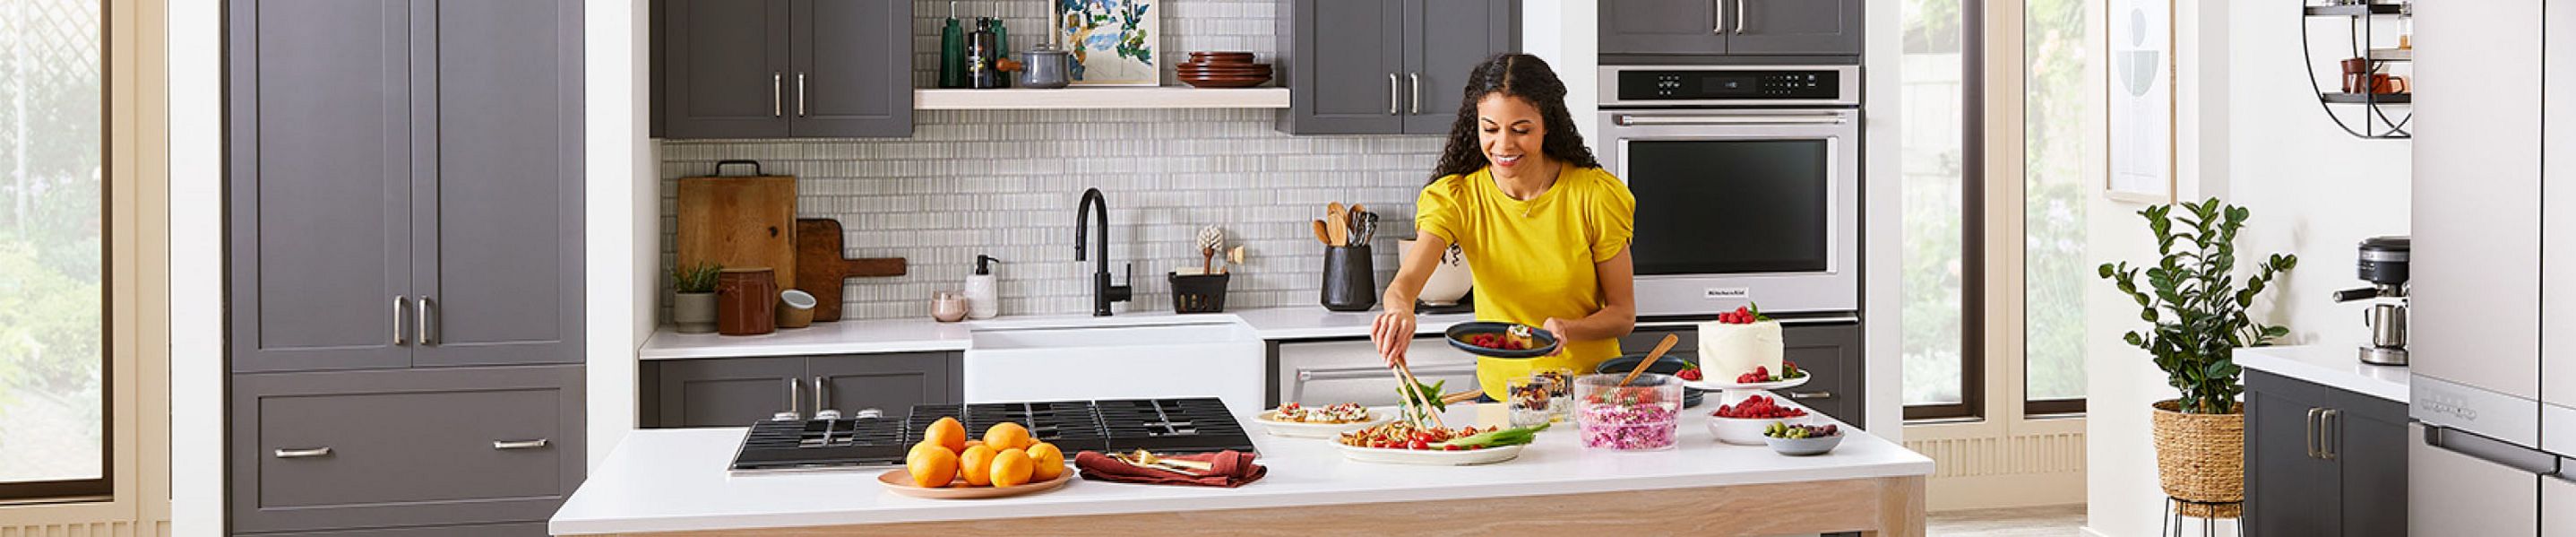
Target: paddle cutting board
[820, 267]
[739, 222]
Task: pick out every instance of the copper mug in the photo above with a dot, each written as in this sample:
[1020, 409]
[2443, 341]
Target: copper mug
[744, 299]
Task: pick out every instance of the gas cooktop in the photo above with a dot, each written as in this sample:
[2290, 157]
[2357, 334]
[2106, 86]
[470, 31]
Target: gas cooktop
[1192, 425]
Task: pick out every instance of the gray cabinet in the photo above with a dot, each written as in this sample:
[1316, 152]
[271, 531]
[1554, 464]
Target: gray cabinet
[783, 68]
[1731, 27]
[1385, 66]
[2322, 461]
[394, 448]
[401, 199]
[1829, 350]
[734, 392]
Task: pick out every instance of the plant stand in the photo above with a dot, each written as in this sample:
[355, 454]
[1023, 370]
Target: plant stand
[2209, 514]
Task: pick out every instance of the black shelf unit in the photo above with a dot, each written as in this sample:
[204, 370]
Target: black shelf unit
[2363, 115]
[2356, 10]
[2367, 98]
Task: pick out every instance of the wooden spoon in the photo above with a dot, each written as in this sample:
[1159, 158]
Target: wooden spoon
[1322, 235]
[1660, 349]
[1337, 222]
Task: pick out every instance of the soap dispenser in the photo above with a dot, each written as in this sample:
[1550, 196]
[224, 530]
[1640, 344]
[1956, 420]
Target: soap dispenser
[982, 302]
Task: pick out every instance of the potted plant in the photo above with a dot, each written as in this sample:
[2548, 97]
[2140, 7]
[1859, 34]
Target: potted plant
[693, 297]
[2196, 313]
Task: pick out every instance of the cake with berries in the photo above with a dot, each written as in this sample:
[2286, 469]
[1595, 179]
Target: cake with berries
[1738, 343]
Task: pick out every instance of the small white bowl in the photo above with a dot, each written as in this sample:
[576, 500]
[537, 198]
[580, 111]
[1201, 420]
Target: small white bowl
[1800, 447]
[1748, 432]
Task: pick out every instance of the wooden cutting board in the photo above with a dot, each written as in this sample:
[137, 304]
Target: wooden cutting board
[820, 267]
[739, 222]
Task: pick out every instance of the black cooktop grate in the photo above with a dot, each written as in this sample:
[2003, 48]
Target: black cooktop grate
[1195, 425]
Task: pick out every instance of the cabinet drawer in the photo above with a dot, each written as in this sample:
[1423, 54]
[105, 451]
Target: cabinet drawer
[404, 448]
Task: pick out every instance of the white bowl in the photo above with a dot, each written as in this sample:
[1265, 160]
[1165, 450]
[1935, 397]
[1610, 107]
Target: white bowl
[1296, 429]
[1432, 458]
[1449, 281]
[1800, 447]
[1748, 432]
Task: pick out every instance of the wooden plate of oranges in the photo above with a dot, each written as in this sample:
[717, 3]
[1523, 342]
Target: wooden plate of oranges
[1006, 462]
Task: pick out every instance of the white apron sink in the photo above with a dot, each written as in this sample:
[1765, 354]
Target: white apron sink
[1218, 357]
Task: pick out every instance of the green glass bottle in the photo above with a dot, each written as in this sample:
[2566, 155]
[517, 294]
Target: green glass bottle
[1001, 45]
[952, 52]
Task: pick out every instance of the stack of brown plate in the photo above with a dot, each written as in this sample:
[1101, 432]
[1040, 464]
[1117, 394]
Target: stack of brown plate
[1223, 70]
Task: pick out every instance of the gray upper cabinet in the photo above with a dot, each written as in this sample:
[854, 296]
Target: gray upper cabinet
[1731, 27]
[400, 199]
[782, 68]
[1385, 66]
[321, 185]
[498, 230]
[1793, 27]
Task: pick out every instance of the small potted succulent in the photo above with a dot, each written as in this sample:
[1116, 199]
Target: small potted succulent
[693, 298]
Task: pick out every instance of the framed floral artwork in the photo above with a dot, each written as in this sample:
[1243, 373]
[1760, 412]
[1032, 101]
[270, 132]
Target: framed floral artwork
[1114, 42]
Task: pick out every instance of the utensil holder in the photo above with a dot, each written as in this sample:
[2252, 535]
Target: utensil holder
[1350, 279]
[1198, 293]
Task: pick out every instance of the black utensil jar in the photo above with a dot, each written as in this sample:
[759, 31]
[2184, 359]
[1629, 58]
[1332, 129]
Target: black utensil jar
[1350, 279]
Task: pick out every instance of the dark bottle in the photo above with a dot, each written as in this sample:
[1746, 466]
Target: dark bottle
[1001, 49]
[983, 56]
[952, 52]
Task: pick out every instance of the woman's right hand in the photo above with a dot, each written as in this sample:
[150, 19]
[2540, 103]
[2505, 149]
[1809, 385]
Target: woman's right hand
[1393, 332]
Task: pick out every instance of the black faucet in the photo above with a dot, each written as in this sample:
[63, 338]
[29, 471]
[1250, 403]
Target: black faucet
[1102, 293]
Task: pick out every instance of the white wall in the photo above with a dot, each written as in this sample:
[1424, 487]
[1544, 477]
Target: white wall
[1567, 33]
[196, 278]
[1881, 62]
[621, 212]
[2252, 135]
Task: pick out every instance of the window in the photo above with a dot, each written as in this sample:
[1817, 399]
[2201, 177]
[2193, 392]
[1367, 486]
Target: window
[54, 439]
[2055, 45]
[1942, 204]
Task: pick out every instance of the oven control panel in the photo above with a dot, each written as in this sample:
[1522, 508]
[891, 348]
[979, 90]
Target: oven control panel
[1730, 85]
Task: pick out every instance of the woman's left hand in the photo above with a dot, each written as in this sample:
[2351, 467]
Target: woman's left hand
[1556, 327]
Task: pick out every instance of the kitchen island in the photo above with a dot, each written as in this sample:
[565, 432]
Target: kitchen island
[674, 482]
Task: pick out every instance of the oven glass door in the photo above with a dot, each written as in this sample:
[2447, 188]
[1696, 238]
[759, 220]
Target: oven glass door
[1731, 206]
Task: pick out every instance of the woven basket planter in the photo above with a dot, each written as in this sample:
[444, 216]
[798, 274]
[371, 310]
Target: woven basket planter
[2201, 457]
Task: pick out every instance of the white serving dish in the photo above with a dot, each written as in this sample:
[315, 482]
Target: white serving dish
[1800, 447]
[1748, 432]
[1328, 431]
[1713, 385]
[1432, 458]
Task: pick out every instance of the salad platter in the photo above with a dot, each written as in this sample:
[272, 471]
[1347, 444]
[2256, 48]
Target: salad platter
[1401, 443]
[1296, 421]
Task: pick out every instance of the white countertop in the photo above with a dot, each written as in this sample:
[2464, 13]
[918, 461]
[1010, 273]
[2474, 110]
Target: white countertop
[910, 335]
[675, 480]
[2337, 366]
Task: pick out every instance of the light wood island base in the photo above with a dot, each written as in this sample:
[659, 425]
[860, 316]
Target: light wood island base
[1887, 507]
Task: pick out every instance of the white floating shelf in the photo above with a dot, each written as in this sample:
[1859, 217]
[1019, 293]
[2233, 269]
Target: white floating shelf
[1092, 98]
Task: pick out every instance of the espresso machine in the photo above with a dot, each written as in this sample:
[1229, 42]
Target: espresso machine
[2383, 264]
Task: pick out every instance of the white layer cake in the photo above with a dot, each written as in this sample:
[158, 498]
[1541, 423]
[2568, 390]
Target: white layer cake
[1728, 350]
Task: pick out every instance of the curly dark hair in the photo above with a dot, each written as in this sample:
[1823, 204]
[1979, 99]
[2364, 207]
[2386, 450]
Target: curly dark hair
[1530, 79]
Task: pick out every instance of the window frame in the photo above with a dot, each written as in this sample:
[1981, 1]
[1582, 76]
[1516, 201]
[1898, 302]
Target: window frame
[103, 486]
[1972, 225]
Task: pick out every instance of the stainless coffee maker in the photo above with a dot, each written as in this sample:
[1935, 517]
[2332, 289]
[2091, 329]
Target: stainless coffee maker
[2383, 264]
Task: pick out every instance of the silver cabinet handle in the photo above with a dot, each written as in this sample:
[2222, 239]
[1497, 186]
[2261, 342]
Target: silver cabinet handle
[1811, 395]
[1394, 93]
[398, 320]
[519, 444]
[2312, 432]
[800, 94]
[1417, 93]
[2327, 423]
[425, 316]
[822, 394]
[1718, 8]
[774, 95]
[792, 393]
[283, 453]
[1739, 15]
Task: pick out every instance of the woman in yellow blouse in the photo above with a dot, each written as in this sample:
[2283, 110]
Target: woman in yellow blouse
[1544, 226]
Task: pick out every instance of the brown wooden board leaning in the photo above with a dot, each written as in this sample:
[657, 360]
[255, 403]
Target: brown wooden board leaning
[820, 267]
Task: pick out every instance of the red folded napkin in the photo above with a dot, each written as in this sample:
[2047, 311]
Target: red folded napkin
[1228, 469]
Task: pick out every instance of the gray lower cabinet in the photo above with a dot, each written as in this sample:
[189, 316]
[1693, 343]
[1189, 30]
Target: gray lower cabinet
[2322, 461]
[1830, 352]
[1385, 66]
[783, 68]
[734, 392]
[1731, 27]
[404, 448]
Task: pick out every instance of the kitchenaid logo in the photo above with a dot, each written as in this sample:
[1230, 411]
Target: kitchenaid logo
[2446, 404]
[1730, 293]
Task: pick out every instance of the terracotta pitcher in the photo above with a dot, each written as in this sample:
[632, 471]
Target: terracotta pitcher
[744, 300]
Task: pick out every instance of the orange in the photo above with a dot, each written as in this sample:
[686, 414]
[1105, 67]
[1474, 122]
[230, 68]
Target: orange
[1049, 462]
[1012, 467]
[977, 464]
[973, 443]
[931, 466]
[1006, 435]
[947, 432]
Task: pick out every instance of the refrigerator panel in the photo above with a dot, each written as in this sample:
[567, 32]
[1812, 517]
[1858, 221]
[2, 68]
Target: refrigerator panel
[2558, 195]
[2558, 430]
[2449, 493]
[2487, 413]
[2558, 506]
[2477, 196]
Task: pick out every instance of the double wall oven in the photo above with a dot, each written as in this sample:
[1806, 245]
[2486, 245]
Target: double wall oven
[1748, 184]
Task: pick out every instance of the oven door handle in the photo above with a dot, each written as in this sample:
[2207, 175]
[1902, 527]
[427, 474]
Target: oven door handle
[1297, 390]
[1633, 119]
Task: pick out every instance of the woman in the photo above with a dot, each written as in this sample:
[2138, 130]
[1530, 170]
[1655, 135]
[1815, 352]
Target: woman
[1544, 226]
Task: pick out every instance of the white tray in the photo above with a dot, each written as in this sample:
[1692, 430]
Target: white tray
[1326, 431]
[1432, 458]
